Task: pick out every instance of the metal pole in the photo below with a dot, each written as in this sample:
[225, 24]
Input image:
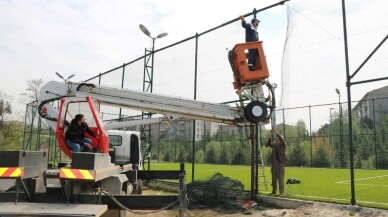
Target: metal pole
[374, 130]
[122, 86]
[241, 145]
[257, 160]
[195, 97]
[348, 78]
[331, 136]
[284, 125]
[159, 142]
[152, 63]
[151, 82]
[145, 69]
[25, 127]
[311, 140]
[341, 132]
[252, 148]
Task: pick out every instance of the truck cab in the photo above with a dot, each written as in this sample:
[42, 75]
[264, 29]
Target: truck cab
[125, 148]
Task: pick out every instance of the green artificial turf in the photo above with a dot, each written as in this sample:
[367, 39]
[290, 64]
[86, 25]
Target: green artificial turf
[318, 184]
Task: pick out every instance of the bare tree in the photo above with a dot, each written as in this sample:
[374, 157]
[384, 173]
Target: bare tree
[5, 107]
[32, 91]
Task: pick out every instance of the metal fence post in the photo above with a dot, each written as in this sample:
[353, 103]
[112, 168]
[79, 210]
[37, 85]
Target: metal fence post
[311, 140]
[374, 131]
[195, 97]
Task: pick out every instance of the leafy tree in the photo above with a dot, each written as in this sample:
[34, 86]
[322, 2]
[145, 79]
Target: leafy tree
[189, 156]
[237, 158]
[167, 157]
[382, 143]
[5, 107]
[207, 136]
[181, 156]
[199, 156]
[224, 157]
[297, 155]
[211, 157]
[321, 158]
[11, 136]
[32, 91]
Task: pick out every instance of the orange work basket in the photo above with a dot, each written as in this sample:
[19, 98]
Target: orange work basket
[238, 58]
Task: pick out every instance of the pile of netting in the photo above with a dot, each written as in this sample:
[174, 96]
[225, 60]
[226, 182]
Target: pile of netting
[217, 192]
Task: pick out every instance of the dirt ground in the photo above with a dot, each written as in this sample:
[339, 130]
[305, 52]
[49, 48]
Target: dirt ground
[310, 210]
[316, 209]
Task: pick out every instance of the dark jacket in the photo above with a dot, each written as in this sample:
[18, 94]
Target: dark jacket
[76, 133]
[250, 32]
[278, 150]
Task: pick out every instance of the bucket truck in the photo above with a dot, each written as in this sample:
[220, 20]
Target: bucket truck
[92, 174]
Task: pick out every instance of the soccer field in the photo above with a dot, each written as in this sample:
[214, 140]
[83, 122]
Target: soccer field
[319, 184]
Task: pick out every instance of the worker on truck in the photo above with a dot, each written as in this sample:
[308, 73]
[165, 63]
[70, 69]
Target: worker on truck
[251, 35]
[75, 137]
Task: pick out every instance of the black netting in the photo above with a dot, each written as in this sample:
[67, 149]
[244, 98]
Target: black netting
[217, 192]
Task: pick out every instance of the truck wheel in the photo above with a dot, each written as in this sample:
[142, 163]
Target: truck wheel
[256, 111]
[139, 187]
[129, 188]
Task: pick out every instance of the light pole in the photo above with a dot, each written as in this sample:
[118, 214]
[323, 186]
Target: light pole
[150, 75]
[340, 123]
[148, 80]
[332, 144]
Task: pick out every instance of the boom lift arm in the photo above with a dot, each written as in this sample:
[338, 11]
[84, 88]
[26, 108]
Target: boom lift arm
[248, 85]
[172, 107]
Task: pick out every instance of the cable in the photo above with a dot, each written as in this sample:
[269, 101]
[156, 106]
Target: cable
[164, 207]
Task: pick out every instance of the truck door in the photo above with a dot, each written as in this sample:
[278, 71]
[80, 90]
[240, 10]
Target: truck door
[135, 149]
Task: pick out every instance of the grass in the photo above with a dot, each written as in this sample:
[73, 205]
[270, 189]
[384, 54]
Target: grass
[318, 184]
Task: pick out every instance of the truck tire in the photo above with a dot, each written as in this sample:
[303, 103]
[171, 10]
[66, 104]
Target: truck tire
[139, 187]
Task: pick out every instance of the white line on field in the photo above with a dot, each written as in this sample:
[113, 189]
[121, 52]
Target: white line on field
[372, 177]
[338, 199]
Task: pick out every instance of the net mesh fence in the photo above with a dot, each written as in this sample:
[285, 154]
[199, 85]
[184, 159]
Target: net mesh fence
[313, 62]
[304, 46]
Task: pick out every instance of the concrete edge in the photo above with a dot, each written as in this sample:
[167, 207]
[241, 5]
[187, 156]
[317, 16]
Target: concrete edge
[284, 203]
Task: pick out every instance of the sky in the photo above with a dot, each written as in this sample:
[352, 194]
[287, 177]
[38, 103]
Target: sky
[86, 37]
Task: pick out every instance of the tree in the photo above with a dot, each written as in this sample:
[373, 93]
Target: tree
[300, 128]
[167, 157]
[11, 136]
[297, 155]
[199, 156]
[5, 107]
[32, 91]
[224, 157]
[321, 158]
[211, 157]
[181, 156]
[237, 158]
[189, 156]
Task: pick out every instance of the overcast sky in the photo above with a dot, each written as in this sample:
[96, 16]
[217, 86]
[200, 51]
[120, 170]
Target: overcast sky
[85, 37]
